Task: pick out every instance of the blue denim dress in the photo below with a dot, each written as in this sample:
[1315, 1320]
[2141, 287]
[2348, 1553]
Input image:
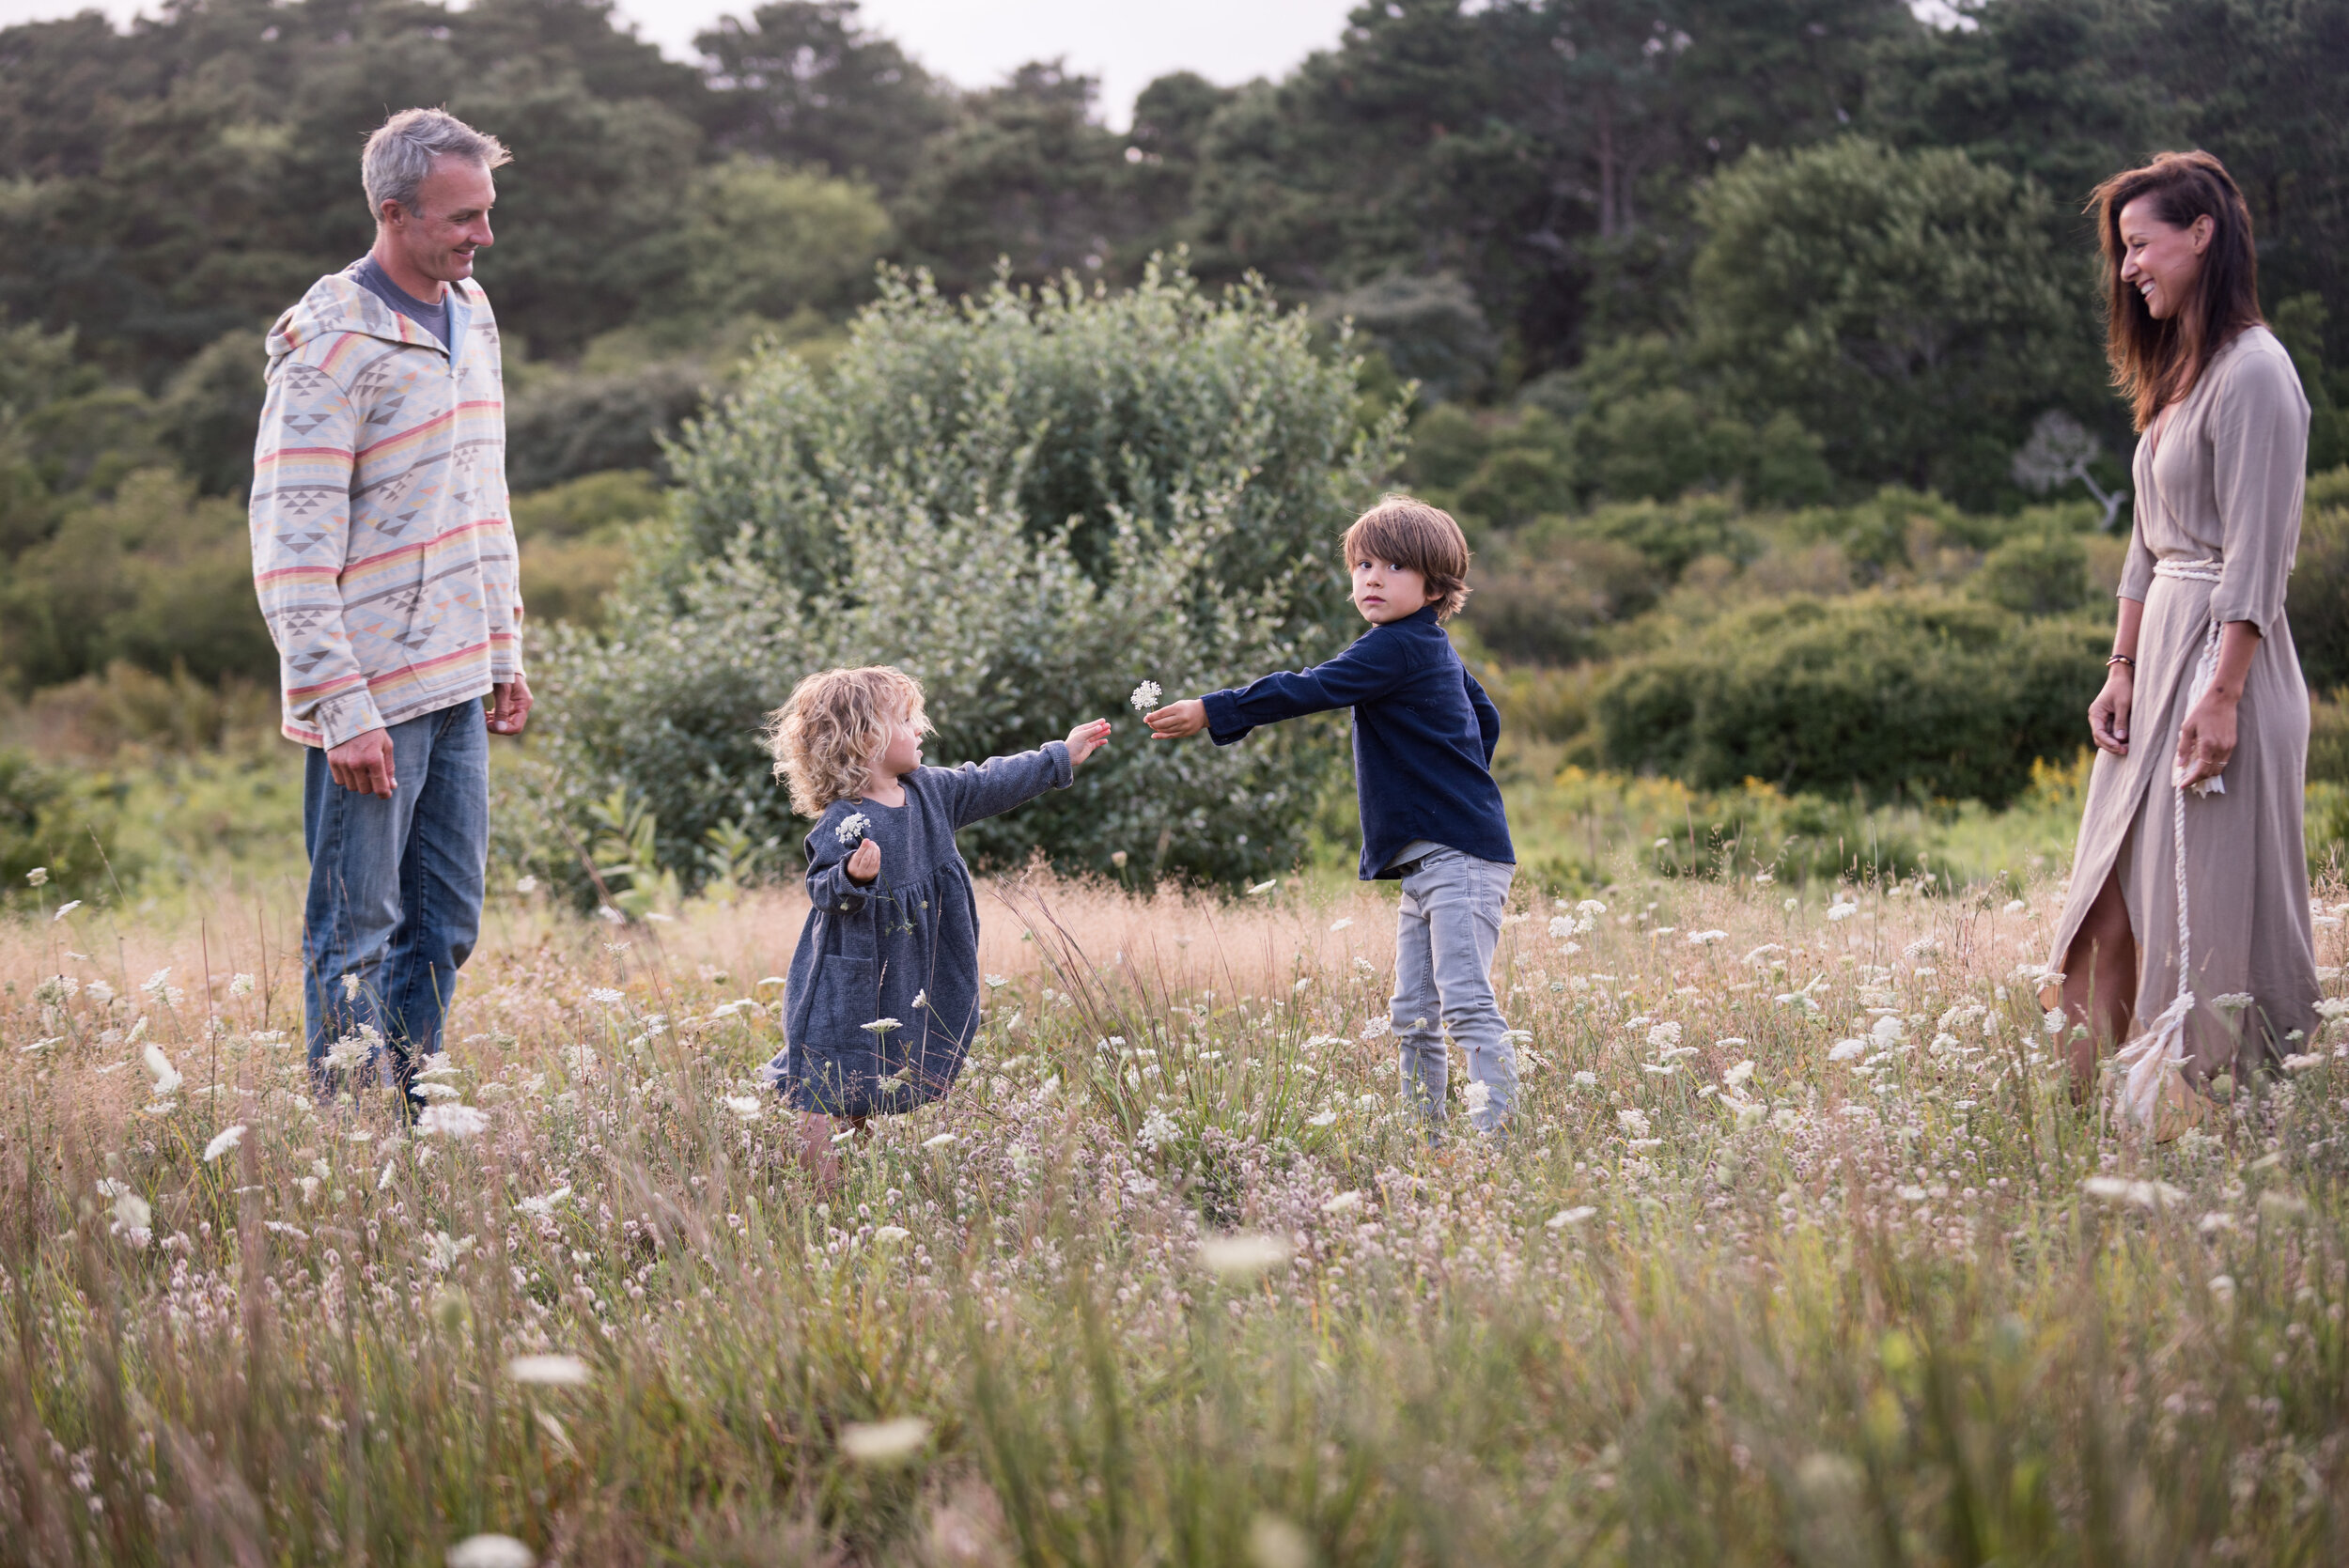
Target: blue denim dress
[904, 948]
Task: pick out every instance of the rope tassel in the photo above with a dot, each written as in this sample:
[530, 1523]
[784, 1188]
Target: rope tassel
[2155, 1060]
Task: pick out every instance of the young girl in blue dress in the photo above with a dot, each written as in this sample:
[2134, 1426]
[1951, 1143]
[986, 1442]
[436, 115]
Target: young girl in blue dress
[883, 995]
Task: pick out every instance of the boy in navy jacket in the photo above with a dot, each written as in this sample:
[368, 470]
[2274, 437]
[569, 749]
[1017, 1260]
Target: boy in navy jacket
[1423, 738]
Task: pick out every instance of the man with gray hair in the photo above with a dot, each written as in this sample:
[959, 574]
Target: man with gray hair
[384, 555]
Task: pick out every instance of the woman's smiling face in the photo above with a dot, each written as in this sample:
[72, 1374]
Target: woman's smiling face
[2158, 259]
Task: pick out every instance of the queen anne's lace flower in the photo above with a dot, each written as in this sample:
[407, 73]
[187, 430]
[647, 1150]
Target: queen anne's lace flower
[548, 1372]
[452, 1120]
[884, 1442]
[1158, 1131]
[852, 828]
[1146, 697]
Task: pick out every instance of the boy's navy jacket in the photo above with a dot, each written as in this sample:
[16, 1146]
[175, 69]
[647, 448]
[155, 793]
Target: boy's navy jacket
[1423, 737]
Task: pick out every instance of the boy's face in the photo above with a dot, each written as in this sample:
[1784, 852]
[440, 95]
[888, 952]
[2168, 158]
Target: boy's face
[902, 752]
[1385, 592]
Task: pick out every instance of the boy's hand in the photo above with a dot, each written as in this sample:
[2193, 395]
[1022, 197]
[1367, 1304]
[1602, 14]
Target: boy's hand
[1176, 719]
[1087, 738]
[866, 863]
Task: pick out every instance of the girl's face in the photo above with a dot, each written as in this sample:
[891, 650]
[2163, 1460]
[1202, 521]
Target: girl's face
[2159, 260]
[901, 754]
[1385, 592]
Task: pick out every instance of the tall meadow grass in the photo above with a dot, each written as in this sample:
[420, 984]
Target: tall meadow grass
[1800, 1252]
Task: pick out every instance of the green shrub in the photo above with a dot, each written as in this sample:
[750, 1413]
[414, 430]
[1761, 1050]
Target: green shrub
[1914, 692]
[1447, 445]
[1547, 597]
[158, 576]
[1915, 309]
[2041, 574]
[2328, 739]
[1527, 472]
[2317, 599]
[54, 818]
[1031, 502]
[563, 423]
[575, 541]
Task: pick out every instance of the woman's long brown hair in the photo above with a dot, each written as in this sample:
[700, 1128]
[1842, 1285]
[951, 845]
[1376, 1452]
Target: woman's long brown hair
[2154, 363]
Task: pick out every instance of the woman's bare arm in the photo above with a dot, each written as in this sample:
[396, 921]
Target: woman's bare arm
[2207, 738]
[2108, 715]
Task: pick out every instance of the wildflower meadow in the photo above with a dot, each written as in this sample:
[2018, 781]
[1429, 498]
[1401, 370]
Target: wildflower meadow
[1800, 1252]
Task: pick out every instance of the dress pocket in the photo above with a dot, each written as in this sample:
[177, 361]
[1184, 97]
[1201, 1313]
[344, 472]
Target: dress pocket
[844, 997]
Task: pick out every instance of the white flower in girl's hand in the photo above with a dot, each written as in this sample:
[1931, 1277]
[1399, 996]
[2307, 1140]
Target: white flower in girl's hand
[1146, 697]
[852, 828]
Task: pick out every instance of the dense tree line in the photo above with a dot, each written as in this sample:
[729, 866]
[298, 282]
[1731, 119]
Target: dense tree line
[1792, 250]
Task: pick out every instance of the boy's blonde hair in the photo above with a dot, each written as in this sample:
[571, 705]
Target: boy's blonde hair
[1404, 532]
[825, 737]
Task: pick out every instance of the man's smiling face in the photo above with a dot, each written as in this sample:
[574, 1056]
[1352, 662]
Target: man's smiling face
[450, 221]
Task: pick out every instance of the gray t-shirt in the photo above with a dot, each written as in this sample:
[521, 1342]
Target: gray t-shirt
[431, 318]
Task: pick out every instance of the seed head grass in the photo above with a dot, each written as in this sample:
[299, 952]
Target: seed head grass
[1800, 1250]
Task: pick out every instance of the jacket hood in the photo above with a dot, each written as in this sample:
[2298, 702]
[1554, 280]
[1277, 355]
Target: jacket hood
[338, 303]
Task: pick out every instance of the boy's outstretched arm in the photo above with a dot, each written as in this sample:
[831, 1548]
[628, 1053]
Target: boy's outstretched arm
[1367, 669]
[1177, 720]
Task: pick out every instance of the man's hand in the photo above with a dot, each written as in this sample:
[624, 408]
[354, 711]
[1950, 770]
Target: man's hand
[866, 863]
[510, 706]
[1087, 738]
[1176, 719]
[363, 763]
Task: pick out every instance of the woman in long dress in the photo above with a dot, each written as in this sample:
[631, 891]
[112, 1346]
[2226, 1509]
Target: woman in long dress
[2202, 724]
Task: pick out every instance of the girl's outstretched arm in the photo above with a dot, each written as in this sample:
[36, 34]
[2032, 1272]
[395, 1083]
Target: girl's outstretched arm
[977, 790]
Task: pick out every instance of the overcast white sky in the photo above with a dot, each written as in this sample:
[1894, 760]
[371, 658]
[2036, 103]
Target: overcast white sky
[975, 42]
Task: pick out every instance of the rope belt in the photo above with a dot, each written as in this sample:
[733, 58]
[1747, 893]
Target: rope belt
[2148, 1061]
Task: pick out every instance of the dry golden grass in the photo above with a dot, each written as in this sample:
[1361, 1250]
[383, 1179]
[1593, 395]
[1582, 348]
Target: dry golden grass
[1170, 1277]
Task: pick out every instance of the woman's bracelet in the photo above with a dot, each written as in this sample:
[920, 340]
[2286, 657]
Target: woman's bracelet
[2122, 658]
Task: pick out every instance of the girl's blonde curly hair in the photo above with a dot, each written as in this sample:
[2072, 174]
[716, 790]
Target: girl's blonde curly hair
[825, 737]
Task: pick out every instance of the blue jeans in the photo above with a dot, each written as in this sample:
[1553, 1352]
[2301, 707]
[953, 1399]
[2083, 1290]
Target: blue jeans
[1444, 938]
[394, 900]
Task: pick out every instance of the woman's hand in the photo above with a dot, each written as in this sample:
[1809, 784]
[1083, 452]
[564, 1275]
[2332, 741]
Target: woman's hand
[2207, 741]
[2108, 715]
[866, 863]
[1176, 719]
[1087, 738]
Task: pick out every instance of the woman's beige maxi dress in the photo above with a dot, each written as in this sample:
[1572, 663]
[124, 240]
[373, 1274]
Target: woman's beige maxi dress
[2221, 483]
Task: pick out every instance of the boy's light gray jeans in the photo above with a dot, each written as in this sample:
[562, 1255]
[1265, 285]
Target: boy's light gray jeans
[1444, 938]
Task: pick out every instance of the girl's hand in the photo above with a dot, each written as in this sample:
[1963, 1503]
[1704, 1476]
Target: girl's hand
[866, 863]
[1176, 719]
[2108, 715]
[2207, 741]
[1087, 738]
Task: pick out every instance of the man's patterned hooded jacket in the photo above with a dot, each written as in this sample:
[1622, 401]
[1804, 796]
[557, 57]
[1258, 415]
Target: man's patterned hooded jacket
[382, 543]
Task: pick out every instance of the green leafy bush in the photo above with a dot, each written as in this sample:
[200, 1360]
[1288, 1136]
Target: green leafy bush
[1913, 692]
[1916, 310]
[1031, 502]
[158, 576]
[2038, 574]
[2317, 599]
